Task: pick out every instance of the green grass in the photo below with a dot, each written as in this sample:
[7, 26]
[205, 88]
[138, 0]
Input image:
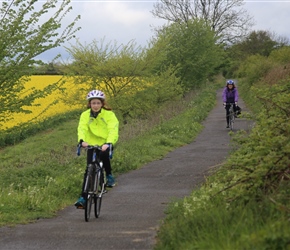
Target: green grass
[34, 175]
[20, 132]
[42, 174]
[216, 226]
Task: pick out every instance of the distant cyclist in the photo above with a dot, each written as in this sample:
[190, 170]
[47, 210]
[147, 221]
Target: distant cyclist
[230, 95]
[98, 125]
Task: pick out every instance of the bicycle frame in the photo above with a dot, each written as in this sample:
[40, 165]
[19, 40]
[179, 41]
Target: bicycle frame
[98, 164]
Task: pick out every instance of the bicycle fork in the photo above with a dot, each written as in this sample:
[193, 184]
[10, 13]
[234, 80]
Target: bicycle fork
[101, 179]
[89, 180]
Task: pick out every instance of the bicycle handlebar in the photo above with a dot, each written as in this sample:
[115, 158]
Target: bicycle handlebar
[94, 147]
[88, 147]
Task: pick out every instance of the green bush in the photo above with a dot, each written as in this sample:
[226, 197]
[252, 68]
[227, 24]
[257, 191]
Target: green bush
[281, 55]
[254, 68]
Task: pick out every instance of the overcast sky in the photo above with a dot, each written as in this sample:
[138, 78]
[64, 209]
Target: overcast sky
[123, 21]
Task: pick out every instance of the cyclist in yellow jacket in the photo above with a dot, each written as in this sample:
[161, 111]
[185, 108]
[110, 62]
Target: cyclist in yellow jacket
[98, 126]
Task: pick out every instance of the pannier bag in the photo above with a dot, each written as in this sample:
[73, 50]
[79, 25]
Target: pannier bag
[238, 110]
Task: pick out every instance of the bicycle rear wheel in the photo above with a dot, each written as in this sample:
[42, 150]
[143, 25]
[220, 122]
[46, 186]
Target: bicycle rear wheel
[89, 193]
[99, 195]
[231, 118]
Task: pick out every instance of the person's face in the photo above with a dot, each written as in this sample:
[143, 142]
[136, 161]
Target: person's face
[230, 86]
[96, 105]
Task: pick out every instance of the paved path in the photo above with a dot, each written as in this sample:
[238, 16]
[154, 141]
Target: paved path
[131, 212]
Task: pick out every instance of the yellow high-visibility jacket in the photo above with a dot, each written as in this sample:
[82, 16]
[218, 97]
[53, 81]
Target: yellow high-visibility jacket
[100, 130]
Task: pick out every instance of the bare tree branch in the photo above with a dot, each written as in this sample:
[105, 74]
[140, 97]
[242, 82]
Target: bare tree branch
[225, 17]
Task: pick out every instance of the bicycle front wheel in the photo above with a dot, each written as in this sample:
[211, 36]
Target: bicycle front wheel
[98, 196]
[88, 207]
[89, 193]
[98, 204]
[232, 119]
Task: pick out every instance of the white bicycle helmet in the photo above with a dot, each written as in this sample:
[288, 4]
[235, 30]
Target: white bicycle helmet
[95, 94]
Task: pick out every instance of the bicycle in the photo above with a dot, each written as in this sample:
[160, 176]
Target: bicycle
[94, 183]
[231, 115]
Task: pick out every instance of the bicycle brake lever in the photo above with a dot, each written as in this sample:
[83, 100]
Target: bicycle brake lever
[79, 150]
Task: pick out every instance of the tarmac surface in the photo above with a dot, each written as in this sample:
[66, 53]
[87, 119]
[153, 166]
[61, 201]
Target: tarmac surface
[133, 210]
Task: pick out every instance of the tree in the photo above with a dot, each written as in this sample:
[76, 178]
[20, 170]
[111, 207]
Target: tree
[192, 49]
[259, 43]
[225, 17]
[128, 75]
[50, 68]
[112, 67]
[24, 34]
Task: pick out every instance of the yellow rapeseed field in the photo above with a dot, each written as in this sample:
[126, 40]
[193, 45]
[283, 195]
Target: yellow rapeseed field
[59, 102]
[46, 107]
